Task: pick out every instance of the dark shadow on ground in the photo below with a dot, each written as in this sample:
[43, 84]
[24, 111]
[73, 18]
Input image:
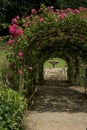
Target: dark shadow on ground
[57, 96]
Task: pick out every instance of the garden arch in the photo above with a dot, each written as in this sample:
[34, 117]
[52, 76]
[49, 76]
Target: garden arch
[45, 33]
[49, 54]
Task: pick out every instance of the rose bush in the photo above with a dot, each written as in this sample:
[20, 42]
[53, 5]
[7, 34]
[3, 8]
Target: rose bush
[33, 36]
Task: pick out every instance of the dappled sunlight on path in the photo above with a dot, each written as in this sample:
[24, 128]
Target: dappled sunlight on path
[58, 106]
[57, 96]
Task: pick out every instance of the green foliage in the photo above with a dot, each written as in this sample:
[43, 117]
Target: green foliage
[62, 4]
[38, 37]
[9, 8]
[12, 107]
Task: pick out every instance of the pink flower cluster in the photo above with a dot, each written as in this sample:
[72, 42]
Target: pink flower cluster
[62, 15]
[76, 11]
[14, 31]
[26, 24]
[14, 20]
[10, 42]
[20, 72]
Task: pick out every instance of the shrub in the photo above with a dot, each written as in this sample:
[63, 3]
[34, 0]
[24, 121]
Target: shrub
[12, 107]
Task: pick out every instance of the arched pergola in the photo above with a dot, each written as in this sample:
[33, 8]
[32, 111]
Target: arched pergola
[72, 62]
[43, 34]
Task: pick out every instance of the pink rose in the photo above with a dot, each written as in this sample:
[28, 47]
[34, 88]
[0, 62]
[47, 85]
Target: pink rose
[20, 54]
[69, 10]
[10, 42]
[33, 11]
[17, 17]
[30, 68]
[41, 20]
[14, 20]
[20, 72]
[76, 11]
[12, 28]
[62, 15]
[18, 32]
[82, 8]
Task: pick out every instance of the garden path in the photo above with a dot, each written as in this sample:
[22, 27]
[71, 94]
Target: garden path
[58, 106]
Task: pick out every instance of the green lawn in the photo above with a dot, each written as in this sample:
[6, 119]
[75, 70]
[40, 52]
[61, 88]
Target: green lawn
[3, 60]
[61, 63]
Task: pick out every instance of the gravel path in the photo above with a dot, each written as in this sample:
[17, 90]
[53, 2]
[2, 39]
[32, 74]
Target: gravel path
[58, 106]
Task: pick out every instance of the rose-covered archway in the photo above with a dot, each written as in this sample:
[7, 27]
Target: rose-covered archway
[41, 35]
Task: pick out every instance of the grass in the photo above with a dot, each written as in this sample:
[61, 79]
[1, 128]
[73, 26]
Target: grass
[61, 63]
[3, 60]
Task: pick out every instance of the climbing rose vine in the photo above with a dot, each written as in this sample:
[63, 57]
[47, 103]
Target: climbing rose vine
[28, 34]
